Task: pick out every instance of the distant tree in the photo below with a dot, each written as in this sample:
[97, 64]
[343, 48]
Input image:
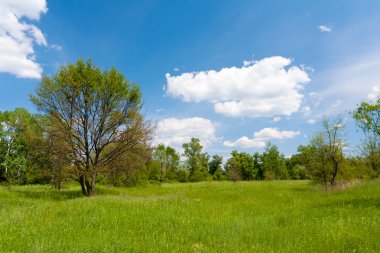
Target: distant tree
[370, 150]
[241, 166]
[296, 166]
[274, 163]
[98, 114]
[215, 167]
[258, 165]
[21, 139]
[168, 160]
[317, 156]
[196, 161]
[172, 162]
[130, 168]
[367, 117]
[159, 155]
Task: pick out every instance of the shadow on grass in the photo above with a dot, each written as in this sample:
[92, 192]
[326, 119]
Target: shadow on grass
[49, 194]
[355, 203]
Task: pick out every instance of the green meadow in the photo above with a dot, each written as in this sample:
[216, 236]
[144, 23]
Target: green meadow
[266, 216]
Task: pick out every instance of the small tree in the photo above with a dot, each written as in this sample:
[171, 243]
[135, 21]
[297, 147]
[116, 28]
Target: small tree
[323, 157]
[334, 136]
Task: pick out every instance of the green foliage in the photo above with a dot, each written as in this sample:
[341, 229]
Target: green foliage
[183, 175]
[241, 166]
[167, 159]
[22, 153]
[274, 163]
[196, 162]
[296, 166]
[367, 116]
[370, 151]
[285, 216]
[215, 168]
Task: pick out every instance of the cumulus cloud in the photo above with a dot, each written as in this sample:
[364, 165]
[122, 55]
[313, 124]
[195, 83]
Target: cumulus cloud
[245, 142]
[174, 132]
[17, 37]
[311, 121]
[260, 137]
[276, 119]
[325, 28]
[263, 88]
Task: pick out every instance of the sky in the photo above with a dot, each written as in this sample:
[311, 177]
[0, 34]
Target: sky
[235, 74]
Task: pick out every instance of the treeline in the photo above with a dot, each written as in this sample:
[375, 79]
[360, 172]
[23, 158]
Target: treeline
[91, 130]
[28, 155]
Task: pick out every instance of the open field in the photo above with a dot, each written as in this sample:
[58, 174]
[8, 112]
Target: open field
[283, 216]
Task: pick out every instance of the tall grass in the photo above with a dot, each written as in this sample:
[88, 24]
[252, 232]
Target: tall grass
[283, 216]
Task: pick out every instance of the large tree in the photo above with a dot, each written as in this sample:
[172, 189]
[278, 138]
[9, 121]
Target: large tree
[97, 114]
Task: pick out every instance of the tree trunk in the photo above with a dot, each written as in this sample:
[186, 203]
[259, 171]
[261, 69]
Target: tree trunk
[335, 172]
[162, 173]
[81, 181]
[88, 188]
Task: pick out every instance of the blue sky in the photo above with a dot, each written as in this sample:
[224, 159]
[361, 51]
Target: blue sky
[236, 74]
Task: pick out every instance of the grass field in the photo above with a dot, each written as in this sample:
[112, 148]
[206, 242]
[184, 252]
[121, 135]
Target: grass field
[284, 216]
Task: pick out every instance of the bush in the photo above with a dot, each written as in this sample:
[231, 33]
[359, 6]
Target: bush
[183, 175]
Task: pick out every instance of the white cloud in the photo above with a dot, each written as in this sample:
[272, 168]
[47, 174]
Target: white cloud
[245, 142]
[306, 110]
[174, 132]
[276, 119]
[18, 37]
[176, 69]
[260, 137]
[272, 133]
[311, 121]
[325, 28]
[56, 47]
[375, 93]
[262, 88]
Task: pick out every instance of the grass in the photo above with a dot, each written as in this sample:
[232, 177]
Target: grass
[283, 216]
